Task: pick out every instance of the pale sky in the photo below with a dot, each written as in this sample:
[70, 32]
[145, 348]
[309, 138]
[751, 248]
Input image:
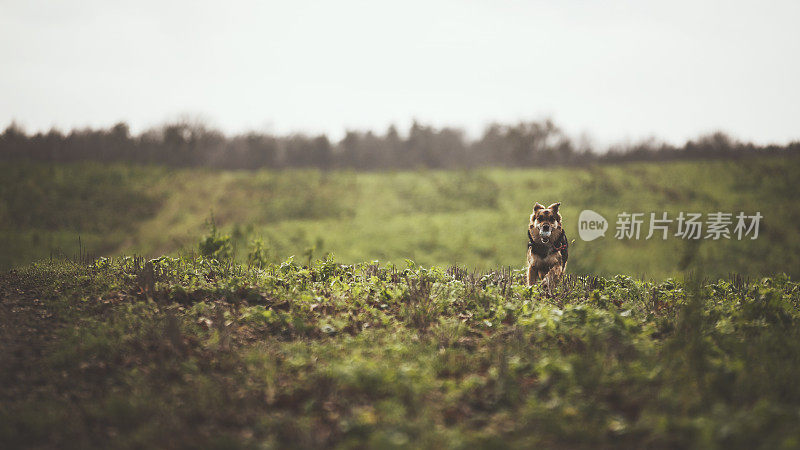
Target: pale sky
[616, 70]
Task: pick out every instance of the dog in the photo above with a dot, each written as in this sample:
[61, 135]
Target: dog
[547, 245]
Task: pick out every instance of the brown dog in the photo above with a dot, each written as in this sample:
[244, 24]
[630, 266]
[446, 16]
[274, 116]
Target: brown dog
[547, 245]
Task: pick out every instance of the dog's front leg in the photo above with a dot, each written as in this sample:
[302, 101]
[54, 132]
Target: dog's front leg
[554, 275]
[531, 275]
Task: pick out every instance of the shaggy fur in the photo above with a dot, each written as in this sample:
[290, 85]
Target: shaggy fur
[547, 245]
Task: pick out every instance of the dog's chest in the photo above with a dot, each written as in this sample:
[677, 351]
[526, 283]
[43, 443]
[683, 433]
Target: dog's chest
[541, 258]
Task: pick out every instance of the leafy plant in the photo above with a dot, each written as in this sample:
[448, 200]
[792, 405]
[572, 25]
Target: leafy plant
[259, 253]
[215, 245]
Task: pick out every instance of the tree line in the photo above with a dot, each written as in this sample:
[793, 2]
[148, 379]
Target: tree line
[191, 144]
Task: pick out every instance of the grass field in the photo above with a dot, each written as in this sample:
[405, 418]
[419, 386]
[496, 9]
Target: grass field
[475, 218]
[251, 334]
[188, 353]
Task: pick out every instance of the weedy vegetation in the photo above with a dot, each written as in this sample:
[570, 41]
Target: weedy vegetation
[232, 342]
[207, 352]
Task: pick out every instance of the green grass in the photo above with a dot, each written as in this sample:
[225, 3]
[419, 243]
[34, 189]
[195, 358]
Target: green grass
[185, 351]
[476, 218]
[191, 352]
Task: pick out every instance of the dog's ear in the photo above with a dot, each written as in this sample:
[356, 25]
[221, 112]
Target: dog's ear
[537, 207]
[554, 207]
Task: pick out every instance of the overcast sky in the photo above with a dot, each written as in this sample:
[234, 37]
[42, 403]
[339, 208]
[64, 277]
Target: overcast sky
[616, 70]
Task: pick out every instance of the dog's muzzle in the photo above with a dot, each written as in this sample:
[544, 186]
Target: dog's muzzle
[544, 232]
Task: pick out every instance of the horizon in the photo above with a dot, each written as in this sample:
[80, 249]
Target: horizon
[580, 142]
[611, 74]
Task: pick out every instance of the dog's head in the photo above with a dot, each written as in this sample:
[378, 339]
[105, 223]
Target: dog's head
[545, 225]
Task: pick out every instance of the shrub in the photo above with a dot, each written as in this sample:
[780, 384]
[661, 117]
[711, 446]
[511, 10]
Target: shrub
[259, 253]
[215, 245]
